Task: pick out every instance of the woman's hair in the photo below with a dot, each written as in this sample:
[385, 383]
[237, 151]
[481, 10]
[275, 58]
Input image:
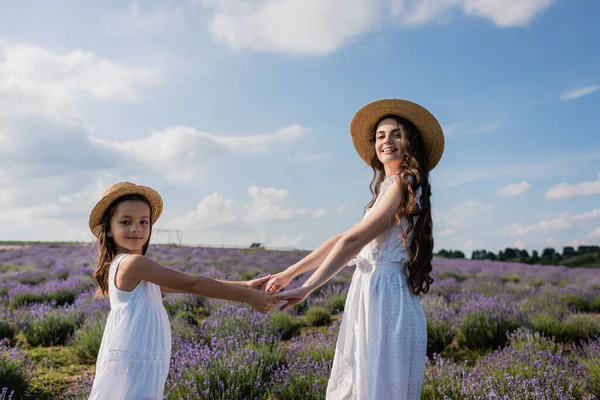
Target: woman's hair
[106, 248]
[414, 173]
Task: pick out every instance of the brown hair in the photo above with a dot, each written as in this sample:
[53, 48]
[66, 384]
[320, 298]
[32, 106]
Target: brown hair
[106, 247]
[414, 173]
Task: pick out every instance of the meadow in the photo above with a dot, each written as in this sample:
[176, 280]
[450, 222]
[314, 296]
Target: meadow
[496, 330]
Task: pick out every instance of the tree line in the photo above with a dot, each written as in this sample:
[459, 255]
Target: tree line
[570, 256]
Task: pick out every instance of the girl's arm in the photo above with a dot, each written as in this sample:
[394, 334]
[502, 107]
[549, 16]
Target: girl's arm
[375, 223]
[256, 284]
[137, 267]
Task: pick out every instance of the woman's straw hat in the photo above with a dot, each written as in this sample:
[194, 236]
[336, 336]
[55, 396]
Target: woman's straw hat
[366, 119]
[122, 189]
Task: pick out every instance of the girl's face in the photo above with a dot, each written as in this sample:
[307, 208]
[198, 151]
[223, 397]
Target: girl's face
[130, 226]
[388, 143]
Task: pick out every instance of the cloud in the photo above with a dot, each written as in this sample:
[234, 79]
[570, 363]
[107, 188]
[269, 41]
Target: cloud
[573, 94]
[34, 80]
[183, 148]
[459, 214]
[291, 26]
[561, 222]
[595, 233]
[267, 205]
[566, 191]
[455, 130]
[468, 244]
[317, 27]
[544, 168]
[446, 232]
[514, 189]
[39, 145]
[286, 241]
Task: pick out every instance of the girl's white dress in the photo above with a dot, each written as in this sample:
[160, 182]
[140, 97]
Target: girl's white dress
[134, 356]
[381, 347]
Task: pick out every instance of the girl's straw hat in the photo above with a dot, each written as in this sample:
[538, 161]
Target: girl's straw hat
[121, 189]
[366, 119]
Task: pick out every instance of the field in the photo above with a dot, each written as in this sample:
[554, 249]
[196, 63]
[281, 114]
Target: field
[495, 330]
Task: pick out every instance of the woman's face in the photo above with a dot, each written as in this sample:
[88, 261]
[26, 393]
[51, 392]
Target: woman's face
[388, 142]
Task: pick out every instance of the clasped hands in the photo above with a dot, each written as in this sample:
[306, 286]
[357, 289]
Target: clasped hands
[272, 285]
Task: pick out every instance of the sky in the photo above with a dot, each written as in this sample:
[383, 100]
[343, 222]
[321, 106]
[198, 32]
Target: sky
[238, 113]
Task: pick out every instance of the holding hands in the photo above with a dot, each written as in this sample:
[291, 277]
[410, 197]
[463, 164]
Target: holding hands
[278, 282]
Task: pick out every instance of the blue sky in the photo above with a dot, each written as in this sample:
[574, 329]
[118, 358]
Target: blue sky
[237, 111]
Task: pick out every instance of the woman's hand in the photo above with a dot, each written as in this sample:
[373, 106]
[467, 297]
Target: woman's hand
[258, 283]
[293, 296]
[278, 281]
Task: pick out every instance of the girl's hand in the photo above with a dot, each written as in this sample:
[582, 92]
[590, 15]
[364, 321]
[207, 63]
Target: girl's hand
[278, 282]
[258, 283]
[293, 296]
[262, 302]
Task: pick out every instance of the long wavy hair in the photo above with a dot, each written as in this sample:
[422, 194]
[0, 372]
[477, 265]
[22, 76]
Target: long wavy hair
[107, 248]
[414, 173]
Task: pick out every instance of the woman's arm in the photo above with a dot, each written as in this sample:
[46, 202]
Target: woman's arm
[380, 218]
[374, 224]
[308, 263]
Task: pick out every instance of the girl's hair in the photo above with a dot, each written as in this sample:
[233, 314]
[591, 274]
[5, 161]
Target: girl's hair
[414, 173]
[107, 249]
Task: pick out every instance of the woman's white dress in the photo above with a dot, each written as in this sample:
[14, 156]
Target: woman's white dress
[382, 343]
[134, 356]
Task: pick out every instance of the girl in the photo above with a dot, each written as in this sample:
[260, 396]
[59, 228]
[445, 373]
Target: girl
[381, 347]
[133, 361]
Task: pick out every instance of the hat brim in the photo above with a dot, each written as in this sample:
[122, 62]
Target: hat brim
[366, 119]
[123, 189]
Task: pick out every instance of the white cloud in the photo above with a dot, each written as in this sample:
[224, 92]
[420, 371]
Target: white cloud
[291, 26]
[446, 232]
[468, 244]
[514, 189]
[34, 80]
[565, 190]
[286, 241]
[561, 222]
[577, 242]
[587, 216]
[595, 233]
[318, 27]
[457, 215]
[267, 205]
[573, 94]
[519, 244]
[177, 151]
[547, 225]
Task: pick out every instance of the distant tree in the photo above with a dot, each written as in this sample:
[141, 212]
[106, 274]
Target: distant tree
[457, 254]
[535, 258]
[480, 255]
[510, 254]
[443, 253]
[492, 256]
[524, 257]
[569, 251]
[588, 249]
[548, 255]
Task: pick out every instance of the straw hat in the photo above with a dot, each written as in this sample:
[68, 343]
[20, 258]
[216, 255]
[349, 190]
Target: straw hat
[121, 189]
[366, 119]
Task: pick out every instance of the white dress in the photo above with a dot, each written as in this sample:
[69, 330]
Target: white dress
[382, 342]
[133, 361]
